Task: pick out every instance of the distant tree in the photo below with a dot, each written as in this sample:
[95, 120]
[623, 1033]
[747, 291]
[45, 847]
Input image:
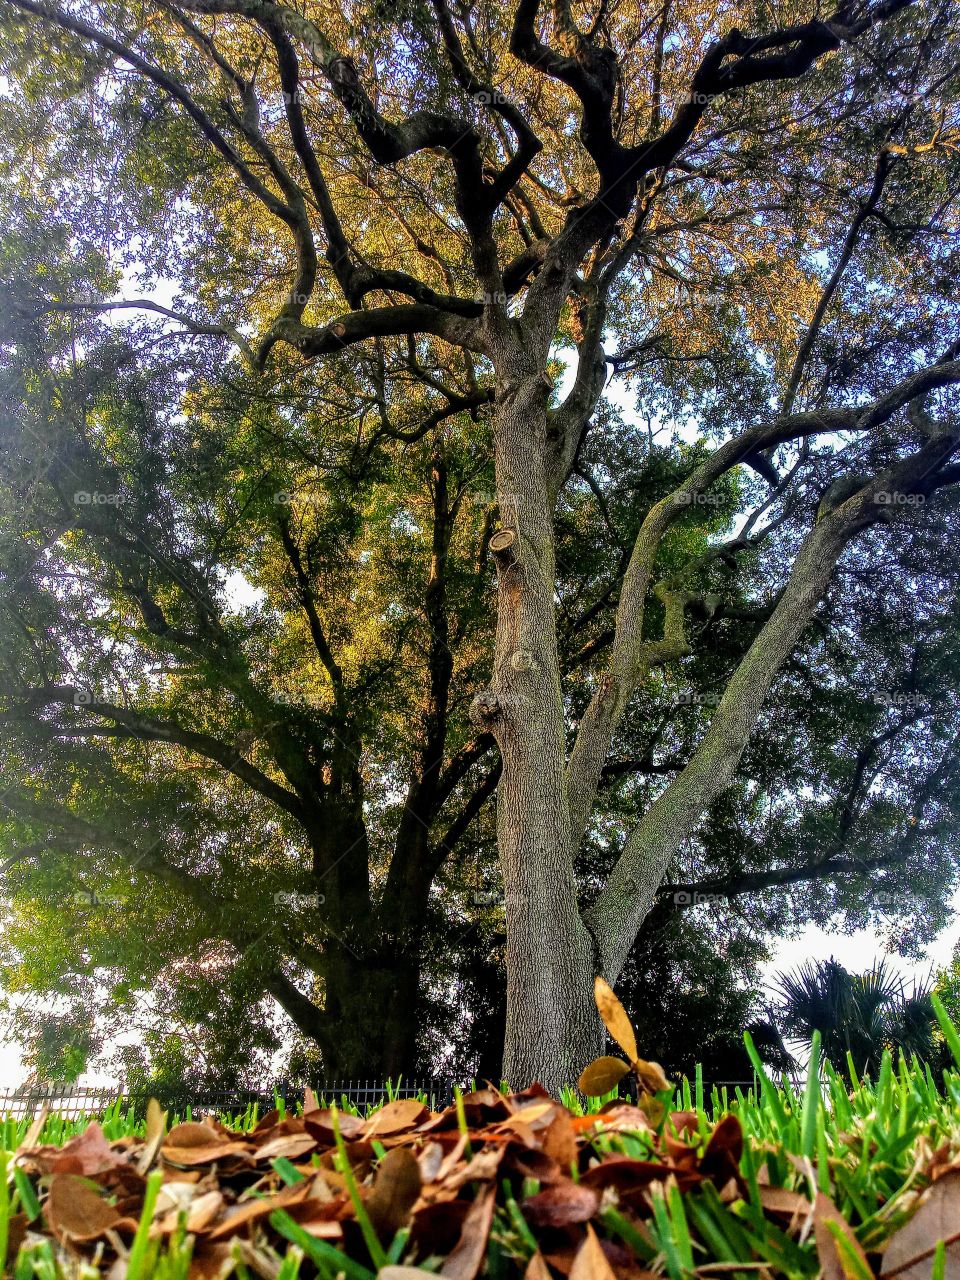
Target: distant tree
[860, 1014]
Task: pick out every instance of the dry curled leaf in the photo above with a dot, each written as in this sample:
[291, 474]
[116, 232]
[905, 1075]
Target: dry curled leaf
[153, 1140]
[561, 1205]
[396, 1187]
[833, 1267]
[468, 1256]
[75, 1212]
[781, 1202]
[88, 1154]
[395, 1117]
[192, 1144]
[651, 1076]
[591, 1262]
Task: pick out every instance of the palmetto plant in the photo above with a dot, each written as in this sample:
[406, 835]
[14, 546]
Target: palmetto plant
[857, 1013]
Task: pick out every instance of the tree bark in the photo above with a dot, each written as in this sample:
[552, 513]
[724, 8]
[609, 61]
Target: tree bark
[552, 1027]
[372, 1002]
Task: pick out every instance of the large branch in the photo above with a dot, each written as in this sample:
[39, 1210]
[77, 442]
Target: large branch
[625, 668]
[216, 329]
[389, 142]
[836, 863]
[307, 599]
[633, 883]
[133, 724]
[734, 62]
[864, 210]
[404, 319]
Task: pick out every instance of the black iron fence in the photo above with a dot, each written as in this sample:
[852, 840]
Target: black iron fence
[76, 1101]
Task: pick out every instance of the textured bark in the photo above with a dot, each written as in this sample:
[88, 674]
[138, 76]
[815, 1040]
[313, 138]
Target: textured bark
[552, 1027]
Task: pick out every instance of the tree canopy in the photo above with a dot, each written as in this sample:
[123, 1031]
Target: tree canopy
[411, 403]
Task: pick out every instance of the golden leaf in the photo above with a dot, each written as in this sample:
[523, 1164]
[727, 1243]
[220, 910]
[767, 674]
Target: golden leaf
[615, 1018]
[651, 1076]
[602, 1075]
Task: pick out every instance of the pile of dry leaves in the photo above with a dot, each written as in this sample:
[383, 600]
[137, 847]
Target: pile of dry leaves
[411, 1167]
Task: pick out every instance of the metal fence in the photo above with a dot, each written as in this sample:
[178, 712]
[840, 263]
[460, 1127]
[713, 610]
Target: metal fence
[76, 1101]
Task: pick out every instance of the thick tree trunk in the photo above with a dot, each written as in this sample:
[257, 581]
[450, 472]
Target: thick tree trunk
[374, 1004]
[552, 1028]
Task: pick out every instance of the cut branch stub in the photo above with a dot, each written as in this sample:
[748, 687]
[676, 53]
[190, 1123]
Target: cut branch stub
[484, 709]
[503, 547]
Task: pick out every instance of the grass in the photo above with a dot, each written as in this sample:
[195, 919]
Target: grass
[866, 1145]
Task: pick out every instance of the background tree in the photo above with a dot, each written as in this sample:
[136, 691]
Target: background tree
[758, 225]
[860, 1014]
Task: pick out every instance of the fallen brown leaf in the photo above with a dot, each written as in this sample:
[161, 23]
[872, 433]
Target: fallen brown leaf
[288, 1145]
[242, 1215]
[591, 1262]
[153, 1140]
[201, 1213]
[395, 1117]
[561, 1205]
[75, 1212]
[781, 1202]
[615, 1018]
[320, 1124]
[467, 1258]
[193, 1143]
[831, 1263]
[602, 1075]
[87, 1154]
[396, 1187]
[651, 1076]
[560, 1140]
[909, 1251]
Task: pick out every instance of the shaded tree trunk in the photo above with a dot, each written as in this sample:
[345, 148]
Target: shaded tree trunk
[373, 1002]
